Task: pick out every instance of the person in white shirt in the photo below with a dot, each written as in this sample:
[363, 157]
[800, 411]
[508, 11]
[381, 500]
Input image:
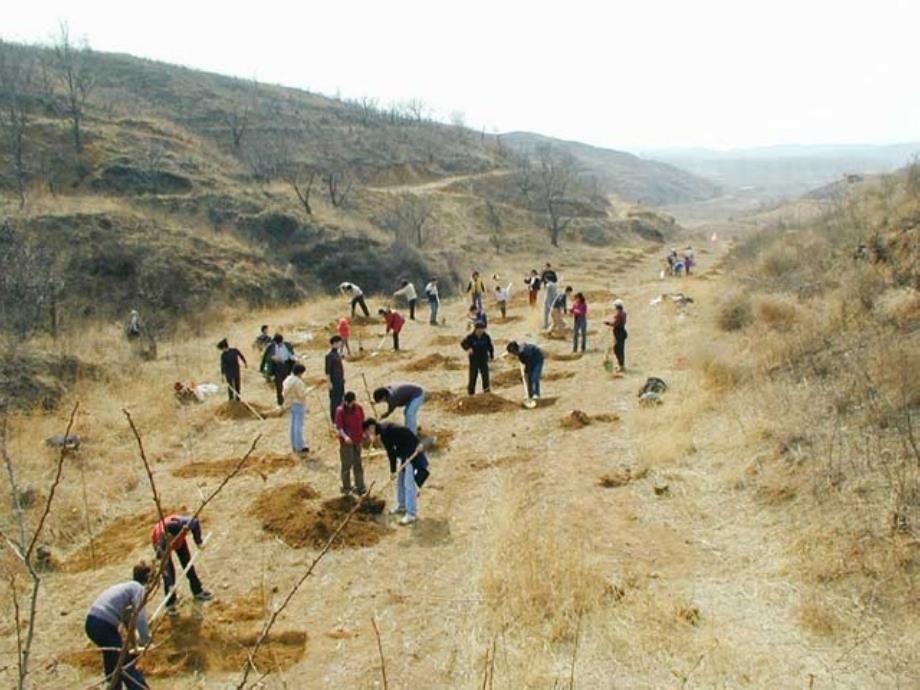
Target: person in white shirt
[295, 400]
[434, 301]
[356, 295]
[407, 290]
[502, 295]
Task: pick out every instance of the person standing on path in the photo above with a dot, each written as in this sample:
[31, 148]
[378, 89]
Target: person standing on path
[502, 295]
[335, 375]
[619, 333]
[168, 536]
[580, 313]
[409, 396]
[407, 290]
[549, 282]
[408, 465]
[478, 346]
[349, 427]
[533, 283]
[295, 400]
[434, 301]
[277, 361]
[476, 289]
[356, 295]
[394, 322]
[230, 359]
[531, 357]
[115, 608]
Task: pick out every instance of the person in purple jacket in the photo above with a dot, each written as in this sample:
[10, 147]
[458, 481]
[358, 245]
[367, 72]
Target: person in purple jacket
[409, 396]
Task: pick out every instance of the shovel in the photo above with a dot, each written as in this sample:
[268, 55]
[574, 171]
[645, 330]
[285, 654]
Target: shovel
[528, 402]
[379, 345]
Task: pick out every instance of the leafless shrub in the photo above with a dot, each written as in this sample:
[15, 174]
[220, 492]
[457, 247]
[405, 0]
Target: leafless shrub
[76, 78]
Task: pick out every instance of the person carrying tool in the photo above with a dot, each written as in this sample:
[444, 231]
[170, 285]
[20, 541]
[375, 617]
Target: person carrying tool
[408, 464]
[335, 375]
[619, 333]
[476, 289]
[476, 315]
[168, 536]
[343, 328]
[549, 279]
[434, 301]
[394, 322]
[580, 314]
[478, 346]
[407, 290]
[349, 427]
[230, 359]
[502, 295]
[115, 608]
[560, 309]
[277, 362]
[356, 295]
[533, 284]
[531, 357]
[294, 396]
[409, 396]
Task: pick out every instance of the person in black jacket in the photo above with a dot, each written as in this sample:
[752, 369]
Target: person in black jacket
[408, 464]
[478, 346]
[335, 374]
[278, 361]
[230, 359]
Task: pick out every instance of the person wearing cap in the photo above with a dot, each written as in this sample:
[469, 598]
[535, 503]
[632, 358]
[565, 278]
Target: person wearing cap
[434, 301]
[168, 536]
[230, 359]
[116, 608]
[478, 345]
[531, 357]
[407, 290]
[619, 333]
[409, 396]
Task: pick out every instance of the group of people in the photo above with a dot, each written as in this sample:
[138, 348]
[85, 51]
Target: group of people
[680, 265]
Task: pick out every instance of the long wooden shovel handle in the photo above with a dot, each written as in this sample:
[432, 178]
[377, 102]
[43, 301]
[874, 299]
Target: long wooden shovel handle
[182, 573]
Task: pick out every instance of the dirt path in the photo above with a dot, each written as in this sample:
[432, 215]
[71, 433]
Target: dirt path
[439, 184]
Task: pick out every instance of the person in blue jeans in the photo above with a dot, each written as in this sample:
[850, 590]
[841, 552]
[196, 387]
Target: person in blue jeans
[295, 399]
[409, 396]
[408, 464]
[531, 357]
[434, 301]
[121, 605]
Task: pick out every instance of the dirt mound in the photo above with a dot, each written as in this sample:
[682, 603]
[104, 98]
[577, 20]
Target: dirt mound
[622, 476]
[116, 543]
[563, 357]
[262, 465]
[287, 512]
[576, 419]
[500, 462]
[484, 403]
[442, 397]
[234, 409]
[439, 439]
[194, 645]
[512, 377]
[435, 361]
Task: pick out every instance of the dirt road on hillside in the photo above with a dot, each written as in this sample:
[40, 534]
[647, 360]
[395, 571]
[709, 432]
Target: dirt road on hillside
[439, 184]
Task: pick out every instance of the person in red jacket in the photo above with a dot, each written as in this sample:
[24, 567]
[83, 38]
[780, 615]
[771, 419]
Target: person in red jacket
[168, 536]
[349, 421]
[394, 321]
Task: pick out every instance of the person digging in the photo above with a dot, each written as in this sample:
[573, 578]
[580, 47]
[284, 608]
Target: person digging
[478, 345]
[114, 609]
[408, 464]
[355, 296]
[394, 322]
[409, 396]
[618, 324]
[349, 427]
[531, 357]
[230, 359]
[170, 535]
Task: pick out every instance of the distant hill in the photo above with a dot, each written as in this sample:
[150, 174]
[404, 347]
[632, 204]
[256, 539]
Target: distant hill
[628, 176]
[786, 171]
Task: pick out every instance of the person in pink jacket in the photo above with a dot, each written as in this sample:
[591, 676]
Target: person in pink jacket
[580, 312]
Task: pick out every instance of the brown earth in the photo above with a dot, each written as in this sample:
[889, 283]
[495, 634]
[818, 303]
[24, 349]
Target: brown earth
[483, 403]
[435, 361]
[235, 410]
[576, 419]
[256, 464]
[621, 477]
[115, 543]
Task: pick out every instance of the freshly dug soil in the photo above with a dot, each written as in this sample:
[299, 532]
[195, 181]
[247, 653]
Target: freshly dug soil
[576, 419]
[500, 462]
[440, 438]
[435, 361]
[621, 477]
[444, 398]
[512, 377]
[483, 403]
[289, 513]
[234, 409]
[116, 543]
[563, 357]
[262, 465]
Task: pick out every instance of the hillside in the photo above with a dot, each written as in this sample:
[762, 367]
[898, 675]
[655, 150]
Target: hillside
[631, 178]
[236, 191]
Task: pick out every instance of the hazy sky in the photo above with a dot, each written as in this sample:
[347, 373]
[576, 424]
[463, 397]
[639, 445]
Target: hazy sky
[636, 74]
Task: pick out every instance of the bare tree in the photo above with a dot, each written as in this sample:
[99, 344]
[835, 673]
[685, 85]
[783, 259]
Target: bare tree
[496, 227]
[74, 73]
[524, 175]
[417, 109]
[17, 74]
[410, 218]
[339, 180]
[238, 118]
[556, 176]
[368, 108]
